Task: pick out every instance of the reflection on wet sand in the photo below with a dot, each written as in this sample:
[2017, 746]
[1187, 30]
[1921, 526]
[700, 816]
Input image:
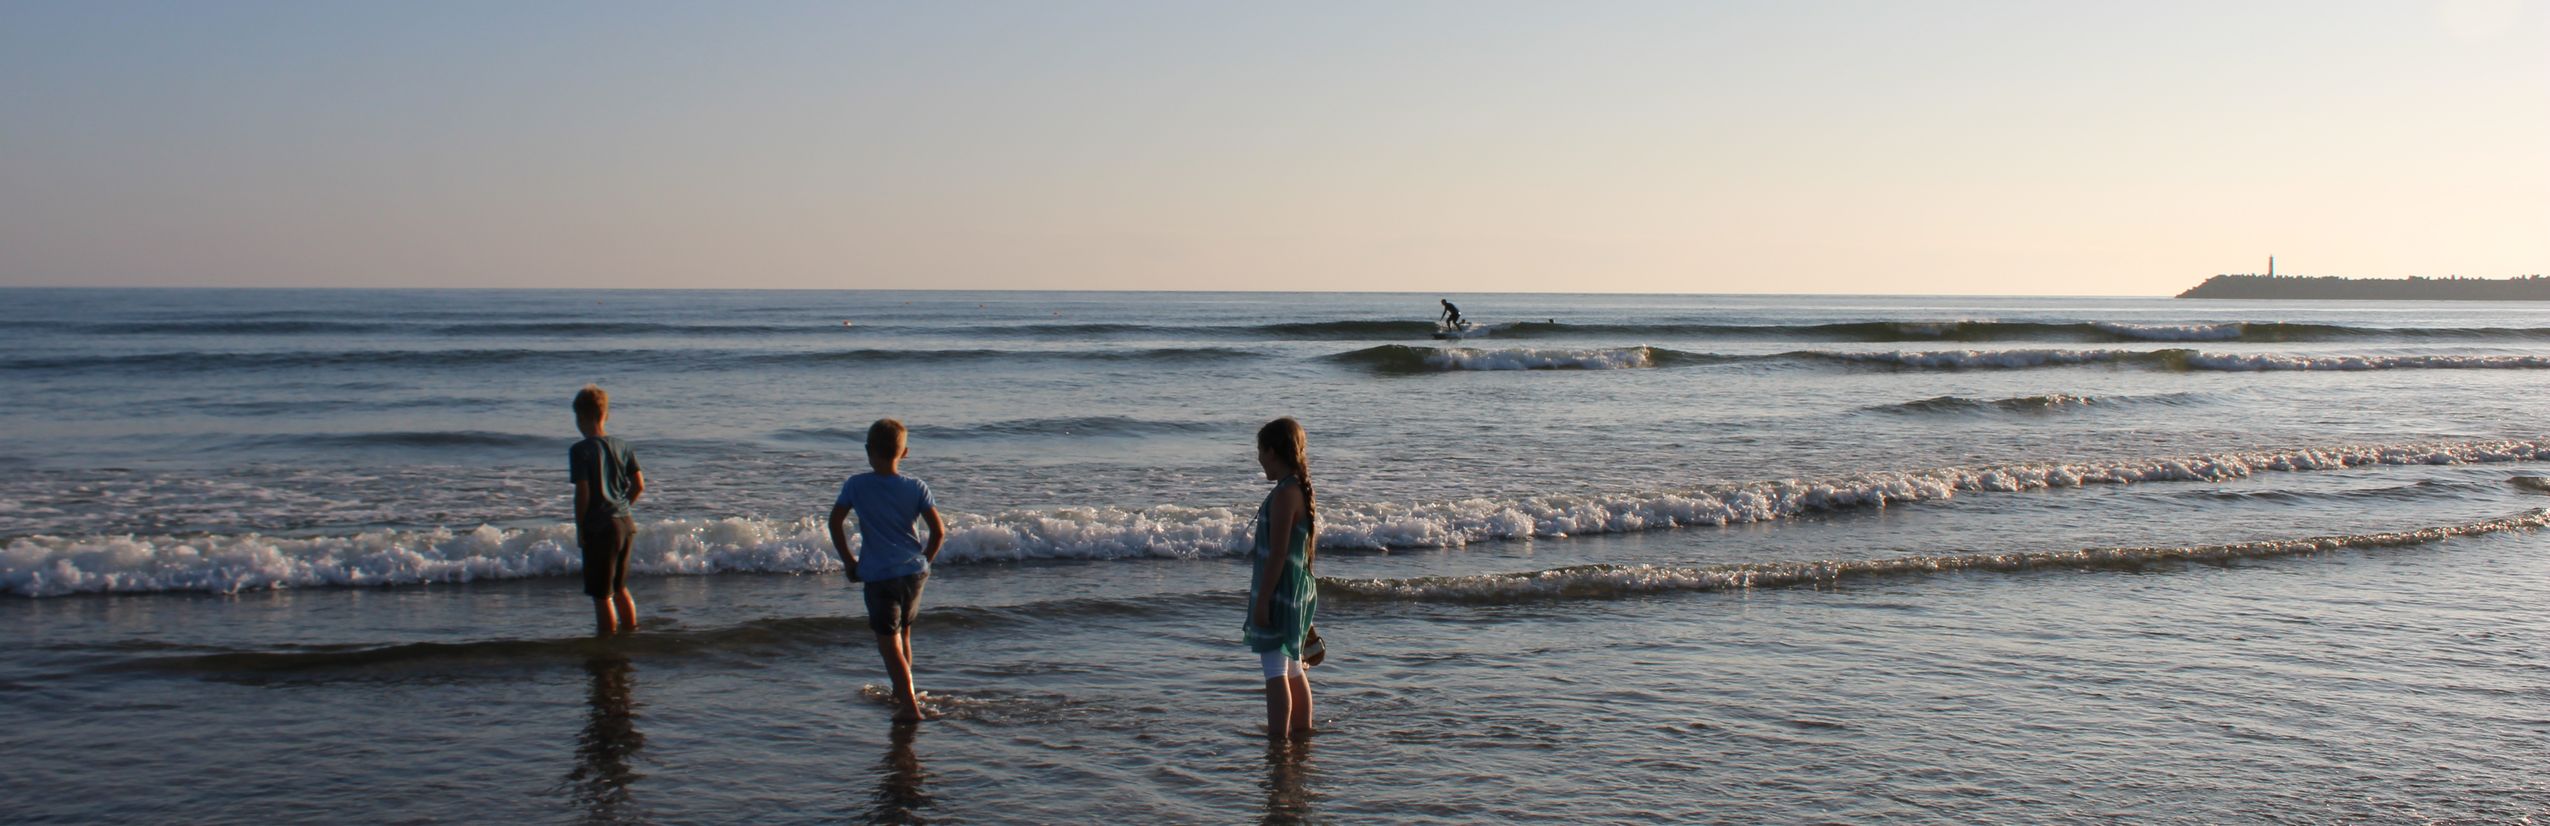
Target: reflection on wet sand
[602, 776]
[1287, 768]
[899, 797]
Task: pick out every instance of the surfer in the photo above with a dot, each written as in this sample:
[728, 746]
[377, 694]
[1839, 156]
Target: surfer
[1451, 315]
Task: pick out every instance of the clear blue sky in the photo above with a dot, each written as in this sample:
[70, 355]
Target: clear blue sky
[1945, 147]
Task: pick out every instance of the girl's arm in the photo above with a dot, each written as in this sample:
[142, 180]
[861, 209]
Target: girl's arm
[1279, 526]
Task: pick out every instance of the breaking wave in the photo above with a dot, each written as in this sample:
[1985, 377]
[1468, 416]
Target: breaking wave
[777, 636]
[1613, 581]
[1061, 426]
[1983, 331]
[1847, 331]
[2171, 359]
[874, 356]
[2046, 403]
[226, 563]
[686, 358]
[1401, 359]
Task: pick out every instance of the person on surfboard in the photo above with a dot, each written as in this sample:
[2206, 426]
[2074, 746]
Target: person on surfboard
[1451, 315]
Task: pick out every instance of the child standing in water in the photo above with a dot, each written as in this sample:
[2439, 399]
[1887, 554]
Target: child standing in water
[892, 562]
[607, 480]
[1282, 597]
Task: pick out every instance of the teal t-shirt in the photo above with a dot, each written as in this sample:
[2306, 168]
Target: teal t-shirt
[611, 466]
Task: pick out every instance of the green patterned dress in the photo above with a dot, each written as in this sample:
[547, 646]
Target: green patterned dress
[1296, 595]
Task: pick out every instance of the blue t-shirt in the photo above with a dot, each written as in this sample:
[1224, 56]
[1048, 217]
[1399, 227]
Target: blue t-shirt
[887, 506]
[611, 467]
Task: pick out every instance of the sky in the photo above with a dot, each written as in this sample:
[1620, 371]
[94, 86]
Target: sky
[1797, 146]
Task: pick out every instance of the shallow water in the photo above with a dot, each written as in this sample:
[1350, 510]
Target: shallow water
[295, 555]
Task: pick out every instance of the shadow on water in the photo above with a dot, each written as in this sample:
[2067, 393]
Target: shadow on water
[899, 797]
[1287, 767]
[606, 749]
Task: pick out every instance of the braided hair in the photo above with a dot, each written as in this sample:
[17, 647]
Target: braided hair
[1285, 437]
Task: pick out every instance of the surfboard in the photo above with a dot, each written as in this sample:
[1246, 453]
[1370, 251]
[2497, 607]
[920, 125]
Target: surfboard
[1465, 330]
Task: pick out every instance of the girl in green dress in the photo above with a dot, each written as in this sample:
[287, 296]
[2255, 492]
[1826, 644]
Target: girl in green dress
[1281, 594]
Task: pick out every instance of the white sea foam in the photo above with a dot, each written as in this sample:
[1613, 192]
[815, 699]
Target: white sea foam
[2173, 332]
[2177, 359]
[1604, 581]
[54, 565]
[1991, 359]
[50, 565]
[2277, 361]
[1526, 358]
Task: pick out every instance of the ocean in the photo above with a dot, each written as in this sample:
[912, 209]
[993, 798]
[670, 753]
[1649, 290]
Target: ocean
[277, 555]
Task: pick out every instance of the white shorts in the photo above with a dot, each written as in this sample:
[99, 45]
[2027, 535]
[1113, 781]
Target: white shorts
[1277, 666]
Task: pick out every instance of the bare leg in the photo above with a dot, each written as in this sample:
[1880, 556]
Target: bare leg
[898, 668]
[1298, 687]
[1279, 709]
[603, 622]
[627, 607]
[909, 687]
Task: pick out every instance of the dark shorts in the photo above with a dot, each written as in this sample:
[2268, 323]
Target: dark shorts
[605, 541]
[893, 604]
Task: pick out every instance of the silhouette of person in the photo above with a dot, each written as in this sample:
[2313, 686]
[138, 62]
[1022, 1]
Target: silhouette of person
[899, 797]
[1451, 314]
[604, 750]
[1287, 765]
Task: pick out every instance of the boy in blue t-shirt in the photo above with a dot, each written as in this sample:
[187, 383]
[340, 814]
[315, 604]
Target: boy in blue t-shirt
[607, 479]
[892, 562]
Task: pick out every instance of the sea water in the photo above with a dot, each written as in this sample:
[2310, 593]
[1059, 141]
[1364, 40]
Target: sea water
[301, 555]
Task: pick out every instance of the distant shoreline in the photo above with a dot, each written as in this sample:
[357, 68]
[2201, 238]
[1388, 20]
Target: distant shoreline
[2412, 288]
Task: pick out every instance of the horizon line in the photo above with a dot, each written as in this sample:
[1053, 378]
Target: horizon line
[393, 288]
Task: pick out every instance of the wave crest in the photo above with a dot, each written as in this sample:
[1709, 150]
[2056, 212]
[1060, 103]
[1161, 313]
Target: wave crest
[1613, 581]
[2044, 403]
[1078, 426]
[2169, 359]
[1401, 359]
[229, 563]
[1982, 331]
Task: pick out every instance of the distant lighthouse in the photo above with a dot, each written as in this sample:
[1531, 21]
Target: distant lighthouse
[2271, 266]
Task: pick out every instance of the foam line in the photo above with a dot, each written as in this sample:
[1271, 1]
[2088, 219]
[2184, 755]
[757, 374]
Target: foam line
[230, 563]
[1613, 581]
